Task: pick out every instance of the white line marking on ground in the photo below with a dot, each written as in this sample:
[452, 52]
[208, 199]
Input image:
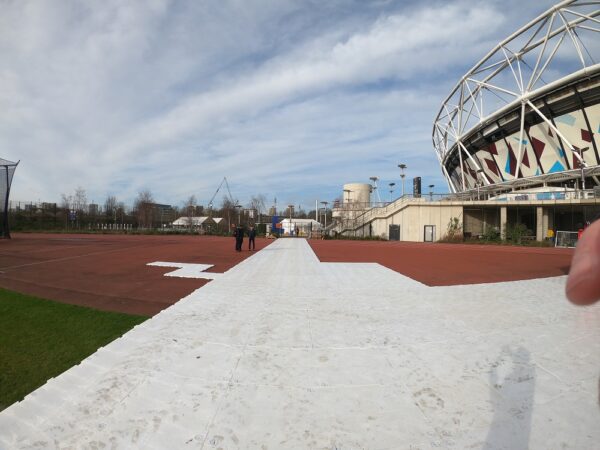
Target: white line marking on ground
[187, 270]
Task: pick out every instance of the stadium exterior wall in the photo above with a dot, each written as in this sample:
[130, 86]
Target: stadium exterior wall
[413, 215]
[413, 219]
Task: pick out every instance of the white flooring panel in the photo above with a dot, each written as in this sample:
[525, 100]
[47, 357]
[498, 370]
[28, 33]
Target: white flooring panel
[283, 351]
[187, 270]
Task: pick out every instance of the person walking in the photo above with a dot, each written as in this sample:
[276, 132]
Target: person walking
[234, 234]
[251, 237]
[239, 238]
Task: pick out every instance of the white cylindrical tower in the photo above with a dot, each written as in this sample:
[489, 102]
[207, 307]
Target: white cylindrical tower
[357, 193]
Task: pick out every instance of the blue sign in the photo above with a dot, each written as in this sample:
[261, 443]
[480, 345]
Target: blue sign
[274, 222]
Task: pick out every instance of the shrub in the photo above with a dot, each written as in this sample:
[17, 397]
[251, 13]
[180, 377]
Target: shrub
[491, 234]
[454, 231]
[516, 232]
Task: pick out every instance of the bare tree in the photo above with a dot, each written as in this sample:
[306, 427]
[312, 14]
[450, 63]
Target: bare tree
[74, 203]
[228, 210]
[120, 213]
[143, 206]
[66, 201]
[79, 200]
[190, 209]
[257, 207]
[110, 208]
[257, 203]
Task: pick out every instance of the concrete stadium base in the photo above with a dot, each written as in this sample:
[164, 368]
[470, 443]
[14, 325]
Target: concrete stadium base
[282, 351]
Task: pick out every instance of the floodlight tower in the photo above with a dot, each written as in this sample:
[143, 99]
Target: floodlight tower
[374, 180]
[392, 191]
[402, 175]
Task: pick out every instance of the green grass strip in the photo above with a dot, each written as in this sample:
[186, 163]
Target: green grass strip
[40, 339]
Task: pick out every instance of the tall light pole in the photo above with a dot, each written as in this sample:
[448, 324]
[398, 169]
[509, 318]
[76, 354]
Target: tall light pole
[374, 180]
[392, 191]
[325, 206]
[402, 175]
[431, 186]
[239, 208]
[347, 206]
[290, 209]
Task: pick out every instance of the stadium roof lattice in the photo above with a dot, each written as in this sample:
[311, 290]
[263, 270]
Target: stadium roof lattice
[558, 46]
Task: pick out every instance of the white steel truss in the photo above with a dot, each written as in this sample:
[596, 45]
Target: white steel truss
[561, 44]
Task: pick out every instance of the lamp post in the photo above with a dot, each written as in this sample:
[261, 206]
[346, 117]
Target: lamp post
[374, 180]
[290, 210]
[325, 206]
[392, 191]
[239, 208]
[402, 175]
[347, 206]
[431, 186]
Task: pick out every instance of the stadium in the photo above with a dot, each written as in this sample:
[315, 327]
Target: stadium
[528, 113]
[517, 140]
[145, 329]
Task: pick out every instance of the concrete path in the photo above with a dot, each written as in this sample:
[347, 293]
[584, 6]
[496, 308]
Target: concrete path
[284, 352]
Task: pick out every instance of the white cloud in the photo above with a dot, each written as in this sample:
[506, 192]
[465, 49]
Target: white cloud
[288, 97]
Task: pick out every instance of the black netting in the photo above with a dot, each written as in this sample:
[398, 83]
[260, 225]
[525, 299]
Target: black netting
[7, 170]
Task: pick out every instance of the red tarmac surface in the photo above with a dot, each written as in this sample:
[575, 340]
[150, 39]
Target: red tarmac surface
[109, 272]
[451, 264]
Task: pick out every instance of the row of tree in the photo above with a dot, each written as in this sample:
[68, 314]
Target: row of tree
[75, 212]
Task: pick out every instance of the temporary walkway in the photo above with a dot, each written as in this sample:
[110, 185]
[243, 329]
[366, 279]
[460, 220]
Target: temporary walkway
[283, 351]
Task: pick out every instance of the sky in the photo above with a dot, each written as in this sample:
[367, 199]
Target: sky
[288, 99]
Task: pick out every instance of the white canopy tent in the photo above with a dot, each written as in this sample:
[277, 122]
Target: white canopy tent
[195, 221]
[305, 226]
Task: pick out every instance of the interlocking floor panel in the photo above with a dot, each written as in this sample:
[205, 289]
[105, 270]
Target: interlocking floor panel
[283, 351]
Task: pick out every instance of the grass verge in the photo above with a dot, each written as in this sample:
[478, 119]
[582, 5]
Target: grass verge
[40, 339]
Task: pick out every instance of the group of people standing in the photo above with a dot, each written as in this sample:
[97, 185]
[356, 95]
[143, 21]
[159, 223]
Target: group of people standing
[238, 233]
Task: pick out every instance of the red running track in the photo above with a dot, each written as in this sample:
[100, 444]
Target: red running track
[109, 272]
[451, 264]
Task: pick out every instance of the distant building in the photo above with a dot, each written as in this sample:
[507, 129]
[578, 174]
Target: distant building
[162, 214]
[47, 206]
[305, 226]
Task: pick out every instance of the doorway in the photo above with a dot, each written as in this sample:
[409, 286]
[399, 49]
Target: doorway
[394, 233]
[429, 233]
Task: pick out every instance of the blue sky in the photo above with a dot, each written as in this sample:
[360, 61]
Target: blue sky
[290, 99]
